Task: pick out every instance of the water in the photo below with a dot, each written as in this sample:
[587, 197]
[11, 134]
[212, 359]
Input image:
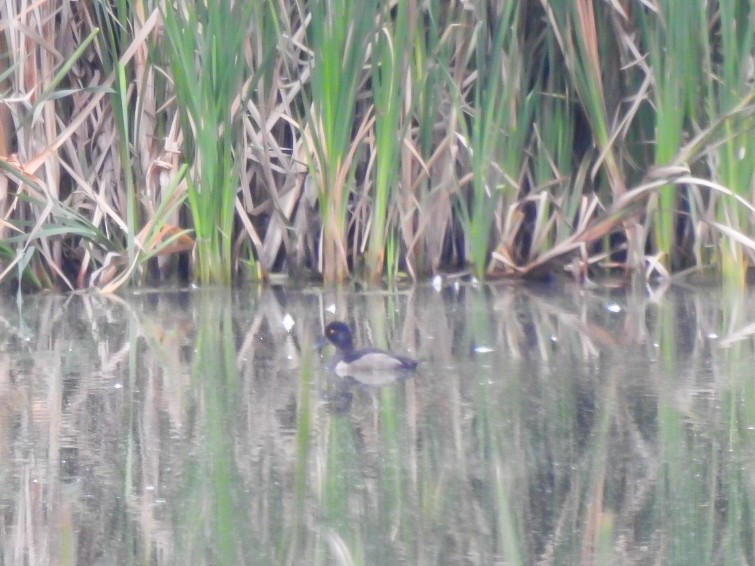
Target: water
[544, 426]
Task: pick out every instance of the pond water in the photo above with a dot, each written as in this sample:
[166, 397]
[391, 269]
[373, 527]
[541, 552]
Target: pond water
[545, 425]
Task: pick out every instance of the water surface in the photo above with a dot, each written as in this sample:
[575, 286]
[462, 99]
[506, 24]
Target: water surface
[544, 426]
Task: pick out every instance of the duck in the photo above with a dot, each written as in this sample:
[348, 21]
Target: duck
[352, 361]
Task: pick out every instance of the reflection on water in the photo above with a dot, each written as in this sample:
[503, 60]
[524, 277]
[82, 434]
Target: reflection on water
[543, 426]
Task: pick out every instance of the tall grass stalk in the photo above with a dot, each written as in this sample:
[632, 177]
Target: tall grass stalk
[673, 45]
[113, 39]
[555, 174]
[427, 159]
[500, 116]
[730, 83]
[493, 115]
[339, 34]
[209, 67]
[389, 72]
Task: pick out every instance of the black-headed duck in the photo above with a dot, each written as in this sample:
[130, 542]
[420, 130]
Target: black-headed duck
[352, 360]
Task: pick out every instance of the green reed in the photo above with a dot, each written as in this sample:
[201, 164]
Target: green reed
[558, 179]
[728, 86]
[338, 35]
[208, 68]
[672, 41]
[114, 39]
[428, 159]
[389, 72]
[500, 116]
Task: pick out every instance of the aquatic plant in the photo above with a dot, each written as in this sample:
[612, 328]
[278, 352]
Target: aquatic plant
[510, 139]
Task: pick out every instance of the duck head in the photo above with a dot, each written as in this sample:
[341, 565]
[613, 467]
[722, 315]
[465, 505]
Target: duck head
[339, 334]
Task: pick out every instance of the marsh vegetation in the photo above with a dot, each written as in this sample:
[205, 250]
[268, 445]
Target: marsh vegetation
[144, 141]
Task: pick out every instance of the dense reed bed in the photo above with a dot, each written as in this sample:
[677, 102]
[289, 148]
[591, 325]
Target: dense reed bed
[142, 141]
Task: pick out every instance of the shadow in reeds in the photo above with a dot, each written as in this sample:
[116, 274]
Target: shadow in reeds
[543, 426]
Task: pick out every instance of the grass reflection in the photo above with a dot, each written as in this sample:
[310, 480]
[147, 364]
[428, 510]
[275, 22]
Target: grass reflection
[212, 518]
[550, 428]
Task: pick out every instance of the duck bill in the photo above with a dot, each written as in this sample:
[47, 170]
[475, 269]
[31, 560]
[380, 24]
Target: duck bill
[321, 343]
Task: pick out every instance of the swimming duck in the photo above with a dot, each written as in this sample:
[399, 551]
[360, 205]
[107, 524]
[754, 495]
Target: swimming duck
[362, 360]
